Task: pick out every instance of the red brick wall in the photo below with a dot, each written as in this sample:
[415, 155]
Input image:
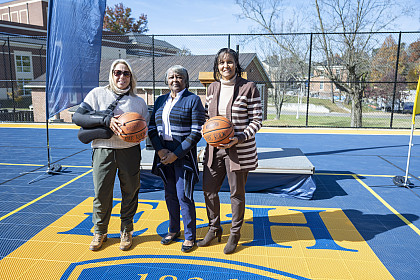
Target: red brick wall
[38, 103]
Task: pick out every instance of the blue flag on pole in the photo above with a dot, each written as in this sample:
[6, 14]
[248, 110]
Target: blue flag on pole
[73, 51]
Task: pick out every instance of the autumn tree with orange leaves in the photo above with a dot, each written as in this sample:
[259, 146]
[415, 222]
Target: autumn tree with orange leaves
[382, 75]
[118, 19]
[413, 64]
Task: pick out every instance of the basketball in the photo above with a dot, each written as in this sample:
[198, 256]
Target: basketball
[217, 130]
[134, 127]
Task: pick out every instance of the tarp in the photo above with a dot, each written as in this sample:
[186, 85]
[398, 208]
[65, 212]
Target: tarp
[300, 186]
[73, 51]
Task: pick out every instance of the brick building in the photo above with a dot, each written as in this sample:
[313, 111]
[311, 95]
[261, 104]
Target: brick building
[321, 85]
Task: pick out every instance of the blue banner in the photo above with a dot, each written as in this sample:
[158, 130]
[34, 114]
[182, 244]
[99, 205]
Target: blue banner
[73, 51]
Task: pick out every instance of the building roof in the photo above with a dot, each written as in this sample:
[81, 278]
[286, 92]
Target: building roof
[15, 29]
[143, 69]
[146, 40]
[193, 63]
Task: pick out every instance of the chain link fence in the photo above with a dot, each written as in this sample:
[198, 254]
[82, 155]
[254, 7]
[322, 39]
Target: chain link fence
[306, 79]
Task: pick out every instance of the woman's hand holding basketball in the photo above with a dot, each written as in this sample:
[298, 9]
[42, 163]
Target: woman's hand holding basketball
[233, 141]
[115, 124]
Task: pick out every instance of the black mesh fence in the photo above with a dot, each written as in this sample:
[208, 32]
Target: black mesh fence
[306, 79]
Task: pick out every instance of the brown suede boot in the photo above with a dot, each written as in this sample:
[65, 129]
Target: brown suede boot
[210, 236]
[231, 244]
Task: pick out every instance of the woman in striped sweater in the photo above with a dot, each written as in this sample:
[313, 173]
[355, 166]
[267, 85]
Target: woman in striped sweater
[238, 100]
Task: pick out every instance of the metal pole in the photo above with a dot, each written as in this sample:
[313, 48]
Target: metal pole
[11, 79]
[4, 64]
[229, 41]
[409, 154]
[395, 80]
[309, 80]
[48, 141]
[47, 113]
[40, 57]
[153, 68]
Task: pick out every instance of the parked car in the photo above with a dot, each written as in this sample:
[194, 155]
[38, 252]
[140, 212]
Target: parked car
[397, 107]
[408, 107]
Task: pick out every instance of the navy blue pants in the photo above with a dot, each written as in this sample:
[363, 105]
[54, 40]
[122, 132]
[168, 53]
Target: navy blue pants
[177, 203]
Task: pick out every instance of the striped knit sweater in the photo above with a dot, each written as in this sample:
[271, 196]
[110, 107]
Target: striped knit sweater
[245, 112]
[186, 118]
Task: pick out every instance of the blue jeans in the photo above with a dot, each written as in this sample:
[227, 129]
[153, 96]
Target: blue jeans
[177, 203]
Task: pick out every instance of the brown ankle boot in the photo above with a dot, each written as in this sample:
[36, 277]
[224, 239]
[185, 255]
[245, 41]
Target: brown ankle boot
[231, 244]
[210, 236]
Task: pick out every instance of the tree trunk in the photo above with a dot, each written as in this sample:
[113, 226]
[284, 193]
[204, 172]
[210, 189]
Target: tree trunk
[356, 109]
[279, 103]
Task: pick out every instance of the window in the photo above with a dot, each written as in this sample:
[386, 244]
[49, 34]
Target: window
[14, 16]
[23, 16]
[21, 86]
[73, 98]
[321, 86]
[23, 64]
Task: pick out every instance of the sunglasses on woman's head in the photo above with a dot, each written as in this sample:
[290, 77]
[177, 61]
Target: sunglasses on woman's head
[119, 72]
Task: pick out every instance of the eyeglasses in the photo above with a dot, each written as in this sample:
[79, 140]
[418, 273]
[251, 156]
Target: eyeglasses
[119, 72]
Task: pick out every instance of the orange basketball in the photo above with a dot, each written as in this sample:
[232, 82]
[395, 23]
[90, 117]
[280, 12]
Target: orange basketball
[217, 130]
[134, 127]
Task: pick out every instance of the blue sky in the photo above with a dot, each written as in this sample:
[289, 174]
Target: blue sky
[216, 16]
[187, 16]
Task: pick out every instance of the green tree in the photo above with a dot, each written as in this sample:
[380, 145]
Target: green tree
[119, 20]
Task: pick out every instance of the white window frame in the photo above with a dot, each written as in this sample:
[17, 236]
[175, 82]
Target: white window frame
[26, 19]
[14, 14]
[23, 74]
[73, 98]
[22, 82]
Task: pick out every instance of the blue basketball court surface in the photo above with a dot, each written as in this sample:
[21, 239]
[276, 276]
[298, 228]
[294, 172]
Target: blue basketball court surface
[358, 224]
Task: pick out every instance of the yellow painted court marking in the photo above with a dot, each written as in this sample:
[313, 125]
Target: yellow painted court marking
[296, 130]
[387, 205]
[39, 125]
[354, 131]
[21, 164]
[44, 195]
[361, 175]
